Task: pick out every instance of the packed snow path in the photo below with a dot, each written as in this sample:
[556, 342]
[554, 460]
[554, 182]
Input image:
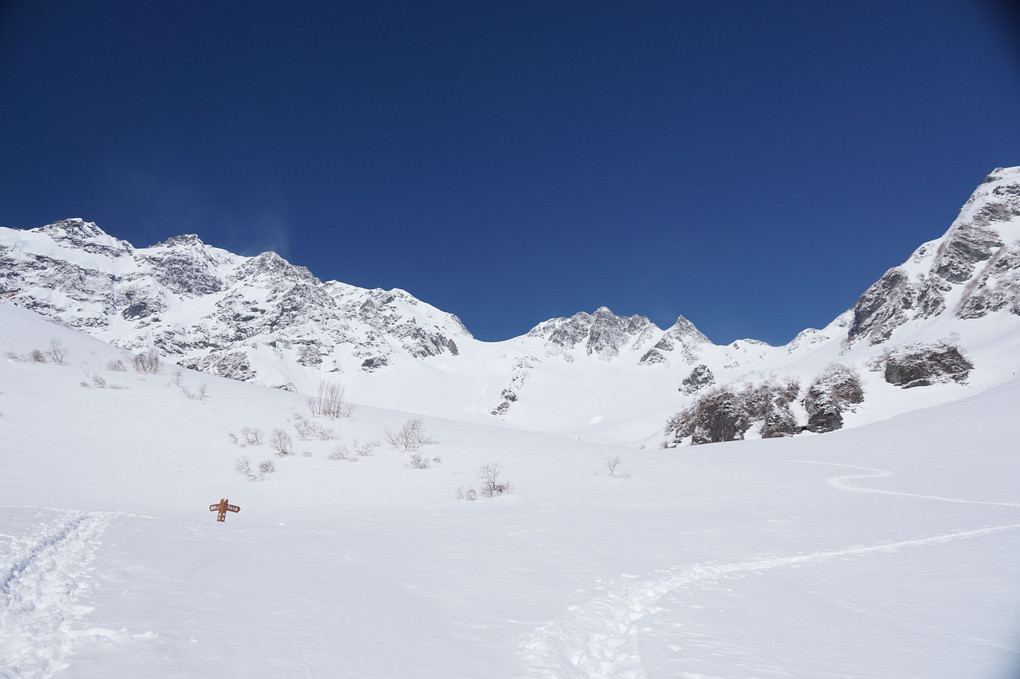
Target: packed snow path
[43, 575]
[599, 640]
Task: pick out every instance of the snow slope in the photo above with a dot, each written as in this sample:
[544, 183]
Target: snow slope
[886, 550]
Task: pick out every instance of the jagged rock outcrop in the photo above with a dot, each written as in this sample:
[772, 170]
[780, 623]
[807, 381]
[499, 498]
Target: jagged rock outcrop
[833, 393]
[972, 270]
[726, 414]
[78, 275]
[919, 365]
[602, 334]
[698, 379]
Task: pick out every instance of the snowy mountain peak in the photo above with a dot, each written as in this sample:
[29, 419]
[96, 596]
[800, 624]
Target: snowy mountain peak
[973, 270]
[602, 334]
[78, 234]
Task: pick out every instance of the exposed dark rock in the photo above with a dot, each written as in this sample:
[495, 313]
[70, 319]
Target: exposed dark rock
[698, 379]
[837, 390]
[726, 415]
[923, 365]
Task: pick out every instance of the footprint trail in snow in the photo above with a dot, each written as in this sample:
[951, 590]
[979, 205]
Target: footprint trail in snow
[42, 578]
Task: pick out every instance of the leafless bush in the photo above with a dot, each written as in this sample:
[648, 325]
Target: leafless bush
[411, 436]
[243, 467]
[233, 439]
[116, 366]
[421, 461]
[612, 463]
[202, 392]
[307, 430]
[267, 467]
[14, 357]
[176, 378]
[364, 449]
[57, 352]
[491, 484]
[331, 401]
[340, 452]
[98, 381]
[252, 436]
[147, 363]
[37, 356]
[281, 442]
[469, 494]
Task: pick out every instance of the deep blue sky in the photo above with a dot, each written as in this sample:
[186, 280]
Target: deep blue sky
[753, 165]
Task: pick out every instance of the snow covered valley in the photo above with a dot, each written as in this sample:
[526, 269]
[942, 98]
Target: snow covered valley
[888, 549]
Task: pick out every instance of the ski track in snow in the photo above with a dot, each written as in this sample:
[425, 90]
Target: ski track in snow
[41, 581]
[599, 639]
[843, 483]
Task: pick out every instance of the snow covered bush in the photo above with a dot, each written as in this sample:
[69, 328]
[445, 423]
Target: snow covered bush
[331, 401]
[116, 366]
[411, 436]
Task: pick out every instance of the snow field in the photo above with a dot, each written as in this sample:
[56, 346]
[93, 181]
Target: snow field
[887, 550]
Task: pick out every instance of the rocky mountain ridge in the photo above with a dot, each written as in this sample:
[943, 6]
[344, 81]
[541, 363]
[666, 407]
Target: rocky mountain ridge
[265, 320]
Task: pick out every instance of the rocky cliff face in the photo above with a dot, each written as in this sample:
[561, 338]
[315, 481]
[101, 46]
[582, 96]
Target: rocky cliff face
[209, 309]
[974, 269]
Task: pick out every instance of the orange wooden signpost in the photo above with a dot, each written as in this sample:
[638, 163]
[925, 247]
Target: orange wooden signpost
[222, 507]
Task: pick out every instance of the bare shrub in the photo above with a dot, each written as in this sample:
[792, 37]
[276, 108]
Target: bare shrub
[419, 461]
[57, 352]
[37, 356]
[15, 357]
[331, 401]
[147, 362]
[176, 378]
[252, 436]
[243, 467]
[491, 484]
[469, 494]
[308, 430]
[364, 449]
[116, 366]
[98, 381]
[340, 452]
[233, 439]
[280, 441]
[267, 467]
[411, 436]
[613, 463]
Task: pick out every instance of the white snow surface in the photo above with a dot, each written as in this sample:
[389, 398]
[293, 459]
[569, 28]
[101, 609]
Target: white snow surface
[887, 549]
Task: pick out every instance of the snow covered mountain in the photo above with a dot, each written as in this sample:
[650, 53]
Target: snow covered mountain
[263, 320]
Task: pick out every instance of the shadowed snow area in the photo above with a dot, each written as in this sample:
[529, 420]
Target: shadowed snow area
[889, 549]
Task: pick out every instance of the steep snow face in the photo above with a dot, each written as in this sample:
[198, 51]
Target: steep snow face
[973, 270]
